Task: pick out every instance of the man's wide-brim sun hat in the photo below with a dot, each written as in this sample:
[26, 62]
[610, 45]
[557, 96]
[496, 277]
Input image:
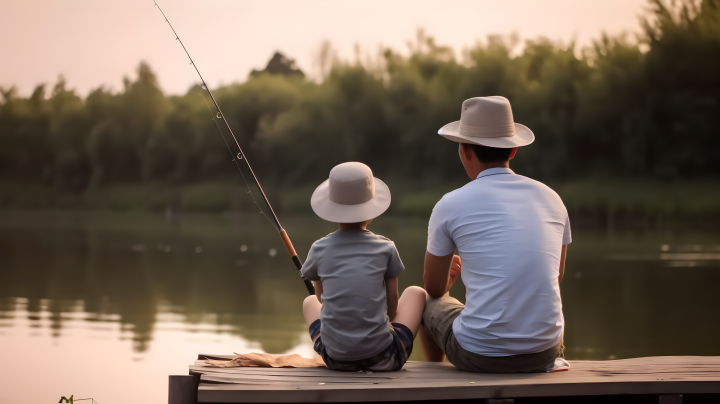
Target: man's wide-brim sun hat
[350, 195]
[488, 121]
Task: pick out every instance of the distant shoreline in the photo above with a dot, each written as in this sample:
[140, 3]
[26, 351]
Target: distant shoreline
[592, 203]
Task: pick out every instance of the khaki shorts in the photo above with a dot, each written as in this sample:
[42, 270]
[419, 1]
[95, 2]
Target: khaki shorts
[438, 321]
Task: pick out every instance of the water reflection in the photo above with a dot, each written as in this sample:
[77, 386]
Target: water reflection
[90, 357]
[625, 294]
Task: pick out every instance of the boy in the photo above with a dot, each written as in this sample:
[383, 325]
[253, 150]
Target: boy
[355, 276]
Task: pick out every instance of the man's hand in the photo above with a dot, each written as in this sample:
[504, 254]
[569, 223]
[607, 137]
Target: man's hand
[440, 273]
[455, 269]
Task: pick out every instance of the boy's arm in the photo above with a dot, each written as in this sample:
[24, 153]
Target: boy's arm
[391, 289]
[318, 290]
[309, 269]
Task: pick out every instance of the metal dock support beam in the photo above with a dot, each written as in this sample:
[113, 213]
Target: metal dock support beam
[183, 389]
[670, 399]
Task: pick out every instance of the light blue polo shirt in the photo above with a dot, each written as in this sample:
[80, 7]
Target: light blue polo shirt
[509, 231]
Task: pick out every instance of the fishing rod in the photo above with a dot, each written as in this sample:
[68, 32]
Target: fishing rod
[241, 156]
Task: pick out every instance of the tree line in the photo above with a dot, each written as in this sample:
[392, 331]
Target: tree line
[625, 107]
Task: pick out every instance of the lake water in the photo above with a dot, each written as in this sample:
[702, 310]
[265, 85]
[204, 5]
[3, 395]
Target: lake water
[108, 305]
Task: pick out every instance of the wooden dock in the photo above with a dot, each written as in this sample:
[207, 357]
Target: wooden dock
[667, 379]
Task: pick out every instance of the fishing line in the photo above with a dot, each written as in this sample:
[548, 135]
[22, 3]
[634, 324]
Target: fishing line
[205, 87]
[235, 160]
[241, 156]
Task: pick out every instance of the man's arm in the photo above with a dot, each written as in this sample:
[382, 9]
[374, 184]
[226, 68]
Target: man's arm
[391, 289]
[563, 254]
[440, 273]
[318, 290]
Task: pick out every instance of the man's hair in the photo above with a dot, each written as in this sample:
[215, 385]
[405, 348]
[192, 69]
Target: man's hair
[491, 154]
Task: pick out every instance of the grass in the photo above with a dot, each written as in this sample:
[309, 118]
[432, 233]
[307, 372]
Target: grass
[643, 199]
[621, 199]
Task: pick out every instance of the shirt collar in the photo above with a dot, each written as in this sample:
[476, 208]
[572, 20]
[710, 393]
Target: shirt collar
[495, 171]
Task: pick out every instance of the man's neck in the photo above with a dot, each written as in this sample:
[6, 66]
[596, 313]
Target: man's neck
[486, 166]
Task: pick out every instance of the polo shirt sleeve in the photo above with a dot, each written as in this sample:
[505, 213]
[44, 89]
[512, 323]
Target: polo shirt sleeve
[309, 269]
[567, 238]
[439, 241]
[395, 264]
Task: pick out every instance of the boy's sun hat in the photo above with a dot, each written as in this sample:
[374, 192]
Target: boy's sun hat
[487, 121]
[350, 195]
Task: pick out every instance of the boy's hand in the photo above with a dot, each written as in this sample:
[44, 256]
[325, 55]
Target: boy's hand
[455, 269]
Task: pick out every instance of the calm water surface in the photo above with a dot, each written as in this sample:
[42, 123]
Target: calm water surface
[107, 305]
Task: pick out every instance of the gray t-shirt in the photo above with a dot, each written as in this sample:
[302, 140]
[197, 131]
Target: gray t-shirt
[352, 266]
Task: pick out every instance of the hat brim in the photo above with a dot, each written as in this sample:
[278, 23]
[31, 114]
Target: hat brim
[523, 137]
[339, 213]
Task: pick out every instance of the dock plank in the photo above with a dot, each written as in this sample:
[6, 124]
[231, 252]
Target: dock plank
[441, 381]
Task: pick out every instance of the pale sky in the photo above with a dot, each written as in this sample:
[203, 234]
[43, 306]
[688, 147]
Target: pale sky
[97, 42]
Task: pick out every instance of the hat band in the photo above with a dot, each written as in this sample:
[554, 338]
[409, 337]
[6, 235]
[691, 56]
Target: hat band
[487, 131]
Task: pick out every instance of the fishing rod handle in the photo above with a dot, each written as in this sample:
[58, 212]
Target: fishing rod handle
[296, 260]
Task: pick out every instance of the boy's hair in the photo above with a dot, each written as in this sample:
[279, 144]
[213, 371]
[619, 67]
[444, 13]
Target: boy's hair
[491, 154]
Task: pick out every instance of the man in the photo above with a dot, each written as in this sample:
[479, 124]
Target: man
[511, 234]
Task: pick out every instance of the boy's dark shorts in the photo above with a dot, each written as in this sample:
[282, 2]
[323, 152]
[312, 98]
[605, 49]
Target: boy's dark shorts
[391, 358]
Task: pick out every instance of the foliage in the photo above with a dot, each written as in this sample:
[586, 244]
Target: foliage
[642, 109]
